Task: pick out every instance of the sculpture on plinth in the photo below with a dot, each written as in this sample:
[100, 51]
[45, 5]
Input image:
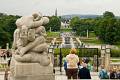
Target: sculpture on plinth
[30, 50]
[29, 43]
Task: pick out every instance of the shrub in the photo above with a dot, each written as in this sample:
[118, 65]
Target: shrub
[82, 52]
[115, 53]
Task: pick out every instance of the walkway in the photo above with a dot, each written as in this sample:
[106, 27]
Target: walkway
[60, 76]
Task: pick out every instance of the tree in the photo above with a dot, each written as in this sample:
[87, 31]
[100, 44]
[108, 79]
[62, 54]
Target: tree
[107, 28]
[75, 23]
[82, 25]
[108, 14]
[7, 27]
[54, 23]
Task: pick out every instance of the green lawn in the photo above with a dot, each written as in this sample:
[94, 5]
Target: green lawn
[92, 34]
[91, 40]
[53, 34]
[115, 60]
[66, 30]
[118, 45]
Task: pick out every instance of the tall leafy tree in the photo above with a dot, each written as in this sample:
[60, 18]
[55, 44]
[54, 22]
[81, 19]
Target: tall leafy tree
[7, 27]
[107, 28]
[54, 24]
[108, 14]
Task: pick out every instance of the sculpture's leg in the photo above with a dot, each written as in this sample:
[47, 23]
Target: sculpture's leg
[31, 45]
[25, 58]
[41, 48]
[43, 59]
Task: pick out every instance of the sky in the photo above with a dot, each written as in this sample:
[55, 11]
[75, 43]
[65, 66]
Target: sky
[64, 7]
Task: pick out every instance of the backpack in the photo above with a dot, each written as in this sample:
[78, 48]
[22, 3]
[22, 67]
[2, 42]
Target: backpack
[105, 75]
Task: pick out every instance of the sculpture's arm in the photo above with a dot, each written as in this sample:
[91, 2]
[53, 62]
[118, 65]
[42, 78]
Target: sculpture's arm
[35, 24]
[43, 31]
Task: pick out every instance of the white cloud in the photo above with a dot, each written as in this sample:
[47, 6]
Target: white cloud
[47, 7]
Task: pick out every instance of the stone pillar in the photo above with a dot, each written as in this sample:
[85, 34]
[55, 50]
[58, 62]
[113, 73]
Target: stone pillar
[50, 29]
[87, 33]
[95, 63]
[102, 57]
[7, 46]
[107, 61]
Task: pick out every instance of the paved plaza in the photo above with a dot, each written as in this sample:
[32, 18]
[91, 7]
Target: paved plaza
[60, 75]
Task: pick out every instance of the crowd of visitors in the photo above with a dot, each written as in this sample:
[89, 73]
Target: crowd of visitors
[113, 73]
[76, 68]
[5, 54]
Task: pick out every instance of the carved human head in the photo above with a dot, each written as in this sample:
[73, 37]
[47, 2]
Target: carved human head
[45, 20]
[37, 16]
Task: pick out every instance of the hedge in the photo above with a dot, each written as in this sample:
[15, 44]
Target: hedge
[82, 52]
[115, 53]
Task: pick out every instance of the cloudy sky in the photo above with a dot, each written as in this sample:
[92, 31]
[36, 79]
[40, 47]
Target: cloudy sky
[47, 7]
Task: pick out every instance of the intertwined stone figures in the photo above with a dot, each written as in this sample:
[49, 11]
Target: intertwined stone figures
[29, 43]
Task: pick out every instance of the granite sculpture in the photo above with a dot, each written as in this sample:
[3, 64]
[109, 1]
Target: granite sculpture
[30, 58]
[29, 43]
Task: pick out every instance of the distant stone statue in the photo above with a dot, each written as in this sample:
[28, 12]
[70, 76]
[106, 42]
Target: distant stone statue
[29, 43]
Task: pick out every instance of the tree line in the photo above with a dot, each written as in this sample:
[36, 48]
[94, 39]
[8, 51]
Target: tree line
[106, 27]
[7, 27]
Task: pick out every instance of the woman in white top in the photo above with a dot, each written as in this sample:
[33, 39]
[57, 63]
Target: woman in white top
[72, 67]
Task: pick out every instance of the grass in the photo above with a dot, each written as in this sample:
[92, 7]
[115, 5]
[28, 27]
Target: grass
[91, 40]
[92, 34]
[66, 30]
[115, 60]
[118, 45]
[115, 53]
[53, 34]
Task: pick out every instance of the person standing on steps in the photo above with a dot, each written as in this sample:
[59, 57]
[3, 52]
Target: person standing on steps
[72, 67]
[84, 73]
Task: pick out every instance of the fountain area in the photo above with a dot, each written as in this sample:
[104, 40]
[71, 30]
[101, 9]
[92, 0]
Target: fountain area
[67, 40]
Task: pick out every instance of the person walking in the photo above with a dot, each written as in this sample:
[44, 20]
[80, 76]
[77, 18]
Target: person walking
[72, 60]
[65, 65]
[84, 73]
[113, 74]
[103, 73]
[118, 74]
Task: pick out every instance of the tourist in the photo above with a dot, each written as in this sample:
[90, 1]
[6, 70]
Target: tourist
[84, 73]
[118, 74]
[113, 74]
[72, 60]
[103, 73]
[65, 65]
[79, 63]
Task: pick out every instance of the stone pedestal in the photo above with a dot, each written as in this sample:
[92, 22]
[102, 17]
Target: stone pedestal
[30, 71]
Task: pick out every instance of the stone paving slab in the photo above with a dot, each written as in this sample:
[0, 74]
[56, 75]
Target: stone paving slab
[58, 77]
[61, 76]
